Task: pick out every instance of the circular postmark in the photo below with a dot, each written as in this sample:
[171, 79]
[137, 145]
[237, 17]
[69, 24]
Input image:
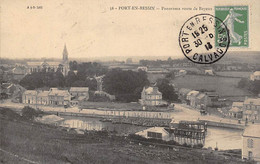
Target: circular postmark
[198, 42]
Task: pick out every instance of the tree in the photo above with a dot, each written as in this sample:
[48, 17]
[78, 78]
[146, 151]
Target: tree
[170, 75]
[43, 79]
[254, 87]
[70, 78]
[126, 85]
[73, 65]
[167, 90]
[29, 113]
[79, 83]
[243, 83]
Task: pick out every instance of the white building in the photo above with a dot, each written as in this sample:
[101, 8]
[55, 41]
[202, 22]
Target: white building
[151, 96]
[251, 143]
[155, 133]
[191, 97]
[251, 109]
[30, 97]
[255, 76]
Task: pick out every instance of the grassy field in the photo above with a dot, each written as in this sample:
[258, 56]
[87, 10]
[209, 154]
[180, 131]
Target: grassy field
[22, 139]
[234, 74]
[224, 86]
[153, 77]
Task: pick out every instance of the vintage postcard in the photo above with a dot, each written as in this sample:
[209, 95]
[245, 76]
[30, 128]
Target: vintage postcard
[129, 81]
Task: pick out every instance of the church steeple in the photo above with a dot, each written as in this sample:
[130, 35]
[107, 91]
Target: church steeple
[65, 54]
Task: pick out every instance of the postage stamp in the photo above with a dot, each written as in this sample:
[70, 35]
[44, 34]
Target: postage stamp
[197, 39]
[236, 20]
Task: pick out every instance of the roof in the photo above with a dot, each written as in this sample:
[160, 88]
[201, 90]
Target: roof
[193, 93]
[201, 96]
[49, 119]
[152, 90]
[237, 104]
[235, 110]
[31, 92]
[252, 131]
[41, 63]
[252, 101]
[79, 89]
[182, 70]
[59, 92]
[153, 129]
[34, 63]
[43, 93]
[184, 90]
[256, 73]
[208, 70]
[54, 63]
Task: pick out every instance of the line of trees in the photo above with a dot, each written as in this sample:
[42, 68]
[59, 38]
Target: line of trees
[80, 75]
[252, 86]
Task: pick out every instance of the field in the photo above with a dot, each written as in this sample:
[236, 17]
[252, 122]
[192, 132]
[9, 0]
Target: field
[23, 141]
[224, 86]
[234, 74]
[152, 77]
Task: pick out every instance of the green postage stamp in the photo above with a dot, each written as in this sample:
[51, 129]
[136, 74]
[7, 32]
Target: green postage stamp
[236, 20]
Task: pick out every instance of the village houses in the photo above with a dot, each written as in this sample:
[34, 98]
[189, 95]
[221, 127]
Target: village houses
[251, 143]
[251, 109]
[191, 97]
[151, 96]
[55, 97]
[30, 97]
[255, 76]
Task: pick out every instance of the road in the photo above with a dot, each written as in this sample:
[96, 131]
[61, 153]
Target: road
[182, 112]
[185, 112]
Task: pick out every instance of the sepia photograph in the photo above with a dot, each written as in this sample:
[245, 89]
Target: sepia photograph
[129, 82]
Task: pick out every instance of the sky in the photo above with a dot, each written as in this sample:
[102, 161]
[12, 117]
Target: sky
[90, 29]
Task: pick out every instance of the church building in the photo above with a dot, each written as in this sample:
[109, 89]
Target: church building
[50, 66]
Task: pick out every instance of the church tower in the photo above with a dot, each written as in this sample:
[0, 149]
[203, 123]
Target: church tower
[65, 54]
[65, 61]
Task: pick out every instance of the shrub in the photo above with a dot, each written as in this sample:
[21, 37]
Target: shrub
[29, 113]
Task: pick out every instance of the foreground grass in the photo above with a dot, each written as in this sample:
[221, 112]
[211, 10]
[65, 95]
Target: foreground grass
[50, 144]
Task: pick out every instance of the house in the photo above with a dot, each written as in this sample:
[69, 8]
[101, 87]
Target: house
[43, 98]
[79, 91]
[212, 98]
[236, 112]
[209, 72]
[7, 89]
[59, 97]
[255, 76]
[185, 132]
[18, 72]
[251, 143]
[151, 96]
[237, 105]
[145, 69]
[29, 97]
[182, 72]
[202, 100]
[183, 92]
[191, 97]
[54, 97]
[251, 109]
[156, 133]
